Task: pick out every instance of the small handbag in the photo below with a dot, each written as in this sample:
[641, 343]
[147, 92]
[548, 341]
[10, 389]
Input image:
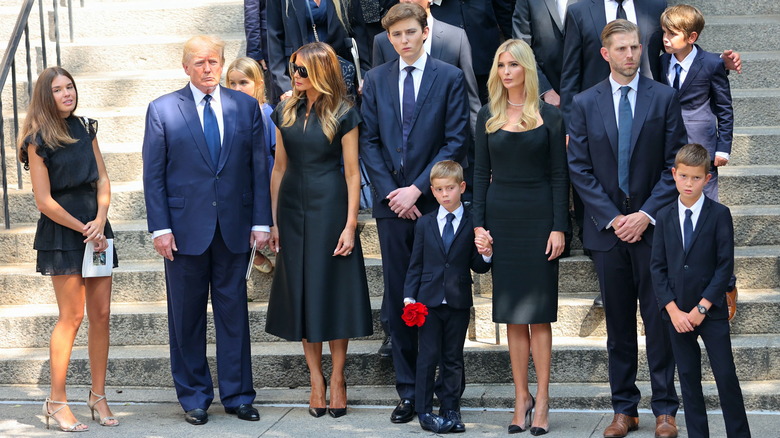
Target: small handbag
[98, 264]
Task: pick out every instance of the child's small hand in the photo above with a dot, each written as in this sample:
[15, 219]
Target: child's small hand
[695, 318]
[679, 318]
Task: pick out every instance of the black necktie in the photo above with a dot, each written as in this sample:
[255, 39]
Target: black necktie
[211, 130]
[621, 13]
[625, 122]
[687, 229]
[677, 71]
[408, 107]
[448, 235]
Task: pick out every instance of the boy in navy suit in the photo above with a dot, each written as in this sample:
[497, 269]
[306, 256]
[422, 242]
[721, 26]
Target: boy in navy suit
[691, 265]
[438, 276]
[702, 84]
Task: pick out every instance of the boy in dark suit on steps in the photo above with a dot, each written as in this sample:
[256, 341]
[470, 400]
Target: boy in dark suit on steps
[442, 254]
[691, 265]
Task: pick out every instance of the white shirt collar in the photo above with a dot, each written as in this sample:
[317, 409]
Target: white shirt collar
[685, 63]
[634, 84]
[695, 208]
[442, 213]
[419, 64]
[198, 95]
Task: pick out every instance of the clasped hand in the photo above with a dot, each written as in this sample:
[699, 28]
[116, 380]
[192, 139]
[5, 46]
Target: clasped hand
[630, 228]
[93, 232]
[402, 202]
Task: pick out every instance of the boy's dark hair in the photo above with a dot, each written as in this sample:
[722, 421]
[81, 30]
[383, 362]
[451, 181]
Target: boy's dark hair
[618, 26]
[684, 18]
[693, 155]
[403, 11]
[447, 169]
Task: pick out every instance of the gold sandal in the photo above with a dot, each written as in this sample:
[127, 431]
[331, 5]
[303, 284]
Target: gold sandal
[75, 427]
[109, 421]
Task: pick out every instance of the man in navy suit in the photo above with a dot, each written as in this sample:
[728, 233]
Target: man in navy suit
[415, 114]
[624, 134]
[207, 203]
[439, 276]
[692, 265]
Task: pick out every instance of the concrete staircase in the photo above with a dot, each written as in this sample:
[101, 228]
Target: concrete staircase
[127, 53]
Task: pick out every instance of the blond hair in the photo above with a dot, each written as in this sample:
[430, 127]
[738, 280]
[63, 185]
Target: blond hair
[684, 18]
[447, 169]
[249, 68]
[325, 77]
[498, 94]
[618, 26]
[209, 42]
[43, 118]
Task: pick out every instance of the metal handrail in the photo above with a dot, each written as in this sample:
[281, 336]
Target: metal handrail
[8, 65]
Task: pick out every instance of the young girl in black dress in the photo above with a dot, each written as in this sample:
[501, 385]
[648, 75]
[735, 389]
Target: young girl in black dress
[72, 192]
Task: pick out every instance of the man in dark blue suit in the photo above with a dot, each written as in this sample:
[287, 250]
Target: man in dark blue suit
[624, 134]
[415, 114]
[207, 203]
[692, 265]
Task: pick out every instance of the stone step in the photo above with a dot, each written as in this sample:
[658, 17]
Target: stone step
[30, 326]
[739, 185]
[757, 71]
[732, 7]
[756, 107]
[576, 360]
[757, 313]
[747, 33]
[755, 145]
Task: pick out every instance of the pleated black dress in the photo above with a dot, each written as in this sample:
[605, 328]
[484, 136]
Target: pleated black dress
[314, 295]
[73, 175]
[526, 200]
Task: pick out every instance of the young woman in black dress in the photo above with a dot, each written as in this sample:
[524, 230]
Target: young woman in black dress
[521, 200]
[319, 292]
[72, 192]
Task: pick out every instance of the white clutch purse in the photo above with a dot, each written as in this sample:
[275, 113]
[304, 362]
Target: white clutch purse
[98, 264]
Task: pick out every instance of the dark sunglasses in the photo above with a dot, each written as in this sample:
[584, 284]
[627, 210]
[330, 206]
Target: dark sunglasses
[301, 70]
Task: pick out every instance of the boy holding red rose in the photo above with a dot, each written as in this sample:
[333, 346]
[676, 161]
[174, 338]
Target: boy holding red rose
[443, 252]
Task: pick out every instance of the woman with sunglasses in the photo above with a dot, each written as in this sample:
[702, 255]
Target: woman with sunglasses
[319, 292]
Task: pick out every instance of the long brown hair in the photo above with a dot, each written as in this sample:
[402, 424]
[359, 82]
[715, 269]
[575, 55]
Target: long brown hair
[325, 76]
[43, 117]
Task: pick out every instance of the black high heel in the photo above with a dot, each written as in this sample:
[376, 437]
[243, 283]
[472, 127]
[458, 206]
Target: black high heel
[514, 428]
[319, 412]
[537, 430]
[339, 412]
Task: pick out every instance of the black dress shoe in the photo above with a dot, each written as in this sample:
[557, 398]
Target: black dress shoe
[244, 412]
[597, 302]
[404, 412]
[386, 349]
[196, 416]
[457, 423]
[435, 423]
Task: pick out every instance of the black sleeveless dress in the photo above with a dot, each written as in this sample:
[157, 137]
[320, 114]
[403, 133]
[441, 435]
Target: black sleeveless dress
[73, 175]
[314, 295]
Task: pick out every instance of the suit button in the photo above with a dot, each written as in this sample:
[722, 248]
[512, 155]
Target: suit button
[446, 265]
[217, 176]
[395, 172]
[685, 267]
[214, 203]
[398, 149]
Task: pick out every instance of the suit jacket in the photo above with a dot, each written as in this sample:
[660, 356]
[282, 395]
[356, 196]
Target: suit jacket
[539, 24]
[583, 65]
[183, 189]
[478, 19]
[656, 136]
[705, 98]
[256, 29]
[451, 45]
[288, 31]
[439, 130]
[704, 271]
[433, 274]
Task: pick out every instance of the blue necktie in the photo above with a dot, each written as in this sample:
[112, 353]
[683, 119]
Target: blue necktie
[625, 120]
[621, 13]
[211, 130]
[677, 71]
[408, 108]
[448, 235]
[687, 229]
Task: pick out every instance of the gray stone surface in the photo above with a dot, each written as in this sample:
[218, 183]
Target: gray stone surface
[747, 33]
[756, 107]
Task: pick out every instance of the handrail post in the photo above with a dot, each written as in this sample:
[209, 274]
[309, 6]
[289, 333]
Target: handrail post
[43, 33]
[6, 210]
[57, 31]
[70, 19]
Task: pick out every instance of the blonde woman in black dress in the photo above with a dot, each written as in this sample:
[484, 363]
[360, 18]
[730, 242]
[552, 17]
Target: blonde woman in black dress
[319, 292]
[521, 190]
[72, 192]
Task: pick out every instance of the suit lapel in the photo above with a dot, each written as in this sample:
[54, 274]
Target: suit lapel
[664, 73]
[392, 86]
[606, 107]
[437, 42]
[190, 114]
[673, 220]
[598, 15]
[695, 68]
[229, 126]
[429, 77]
[433, 224]
[644, 98]
[552, 7]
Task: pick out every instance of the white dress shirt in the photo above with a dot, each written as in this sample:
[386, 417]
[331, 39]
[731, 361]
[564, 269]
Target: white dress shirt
[685, 64]
[695, 209]
[417, 74]
[611, 7]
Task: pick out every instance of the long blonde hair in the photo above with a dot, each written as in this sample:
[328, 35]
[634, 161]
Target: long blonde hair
[43, 117]
[249, 68]
[498, 94]
[325, 76]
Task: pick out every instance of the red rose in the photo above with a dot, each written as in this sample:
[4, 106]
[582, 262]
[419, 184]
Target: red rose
[414, 314]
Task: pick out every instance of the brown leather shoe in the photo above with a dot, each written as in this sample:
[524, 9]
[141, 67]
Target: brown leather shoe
[665, 427]
[731, 302]
[621, 425]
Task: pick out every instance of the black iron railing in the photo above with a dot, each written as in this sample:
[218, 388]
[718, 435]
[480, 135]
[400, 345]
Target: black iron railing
[8, 68]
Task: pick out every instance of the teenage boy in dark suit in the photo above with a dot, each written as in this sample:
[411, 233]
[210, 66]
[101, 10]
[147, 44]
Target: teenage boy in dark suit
[439, 276]
[691, 265]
